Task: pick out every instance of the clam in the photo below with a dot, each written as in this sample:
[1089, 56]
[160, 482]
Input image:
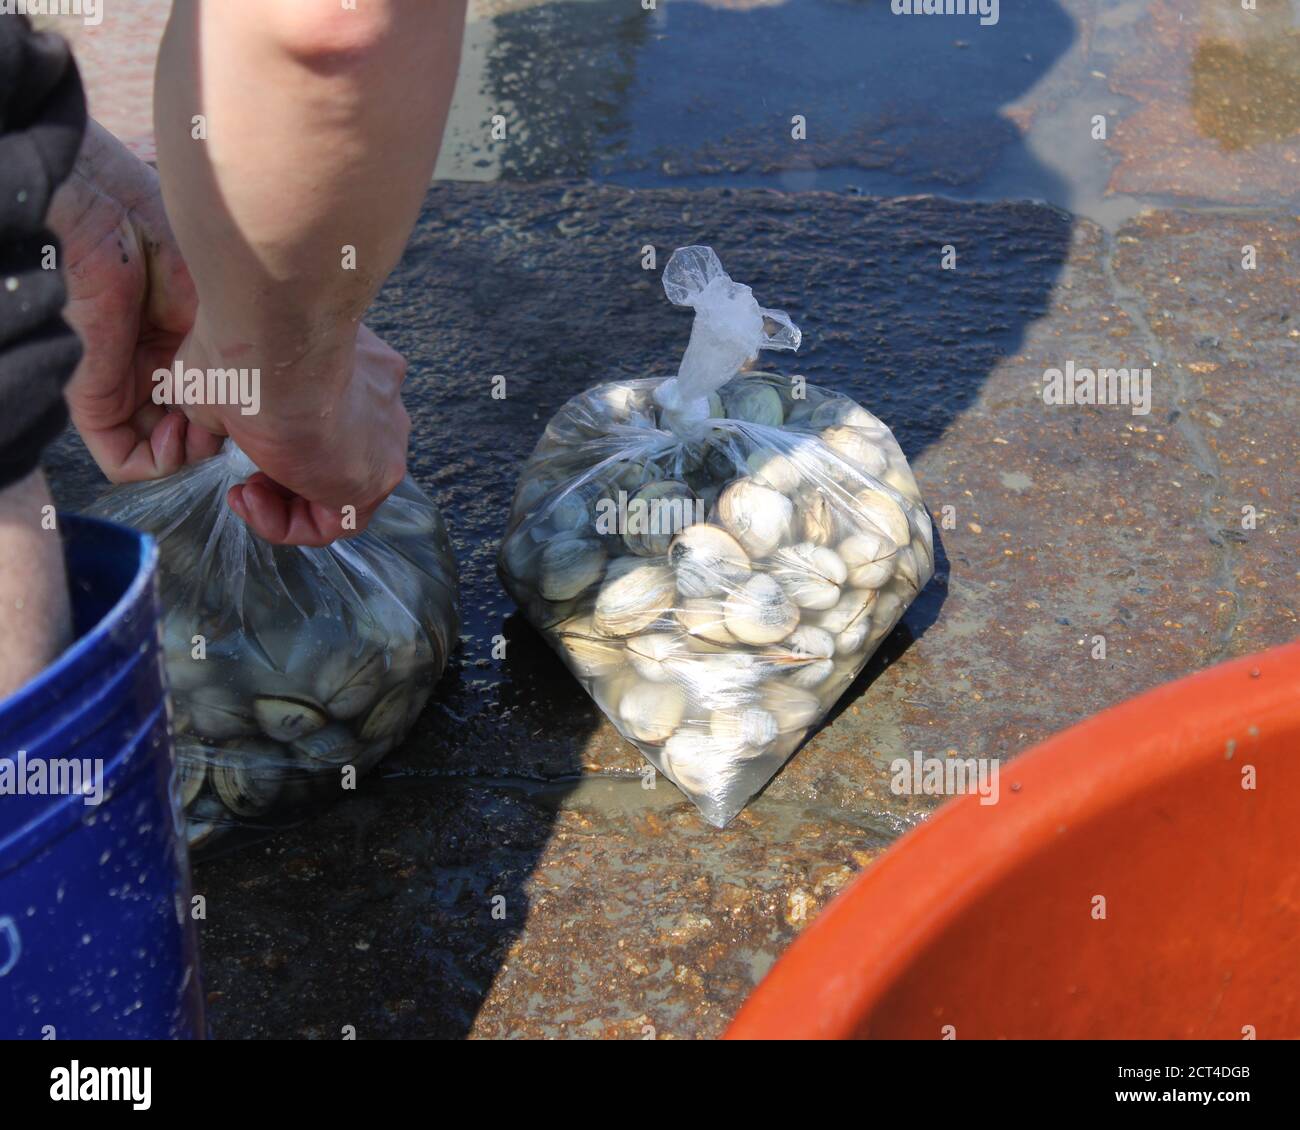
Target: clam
[755, 403]
[332, 746]
[803, 658]
[287, 718]
[707, 561]
[768, 466]
[853, 607]
[718, 681]
[883, 513]
[249, 779]
[388, 716]
[759, 612]
[705, 618]
[820, 520]
[756, 516]
[649, 653]
[219, 713]
[695, 761]
[655, 514]
[748, 728]
[650, 712]
[191, 770]
[205, 821]
[900, 477]
[793, 708]
[635, 593]
[570, 566]
[521, 553]
[905, 567]
[855, 445]
[870, 557]
[348, 686]
[842, 411]
[810, 574]
[590, 655]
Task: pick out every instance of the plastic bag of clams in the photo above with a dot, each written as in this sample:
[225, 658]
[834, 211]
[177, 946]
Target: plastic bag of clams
[293, 670]
[716, 555]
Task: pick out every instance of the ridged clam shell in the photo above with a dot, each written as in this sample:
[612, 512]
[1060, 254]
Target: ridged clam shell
[855, 446]
[570, 566]
[635, 593]
[870, 558]
[749, 728]
[853, 607]
[650, 712]
[332, 746]
[793, 707]
[649, 652]
[769, 467]
[191, 770]
[756, 516]
[819, 520]
[696, 761]
[804, 657]
[719, 681]
[759, 612]
[590, 655]
[905, 568]
[219, 713]
[206, 820]
[521, 553]
[656, 513]
[810, 574]
[388, 717]
[707, 561]
[347, 685]
[900, 477]
[286, 718]
[884, 514]
[250, 777]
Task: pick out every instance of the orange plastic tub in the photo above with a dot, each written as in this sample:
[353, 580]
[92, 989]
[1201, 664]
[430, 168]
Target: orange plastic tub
[1180, 809]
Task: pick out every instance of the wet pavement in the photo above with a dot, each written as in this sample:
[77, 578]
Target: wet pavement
[624, 914]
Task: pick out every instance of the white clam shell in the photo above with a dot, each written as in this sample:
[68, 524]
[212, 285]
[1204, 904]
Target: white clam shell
[388, 717]
[656, 512]
[744, 728]
[634, 594]
[191, 769]
[759, 612]
[855, 445]
[871, 559]
[794, 708]
[810, 574]
[819, 519]
[853, 607]
[286, 718]
[570, 566]
[756, 516]
[218, 712]
[650, 712]
[332, 746]
[705, 618]
[589, 654]
[804, 658]
[721, 680]
[769, 467]
[707, 561]
[831, 413]
[648, 653]
[696, 761]
[250, 777]
[348, 686]
[884, 514]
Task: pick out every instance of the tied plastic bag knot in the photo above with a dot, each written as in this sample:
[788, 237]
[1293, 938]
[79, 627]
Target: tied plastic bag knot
[729, 329]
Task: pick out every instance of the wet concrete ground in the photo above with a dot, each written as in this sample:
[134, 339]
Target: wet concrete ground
[624, 914]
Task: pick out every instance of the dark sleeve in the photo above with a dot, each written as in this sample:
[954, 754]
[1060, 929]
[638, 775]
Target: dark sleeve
[42, 118]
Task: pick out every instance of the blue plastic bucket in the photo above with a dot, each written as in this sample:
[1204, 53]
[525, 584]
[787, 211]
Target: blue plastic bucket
[97, 940]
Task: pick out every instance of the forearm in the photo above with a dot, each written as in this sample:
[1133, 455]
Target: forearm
[322, 126]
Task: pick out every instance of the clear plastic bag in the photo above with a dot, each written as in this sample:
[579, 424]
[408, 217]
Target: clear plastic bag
[293, 670]
[716, 555]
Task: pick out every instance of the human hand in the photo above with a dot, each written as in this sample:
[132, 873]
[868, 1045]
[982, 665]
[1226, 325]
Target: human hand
[329, 438]
[131, 301]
